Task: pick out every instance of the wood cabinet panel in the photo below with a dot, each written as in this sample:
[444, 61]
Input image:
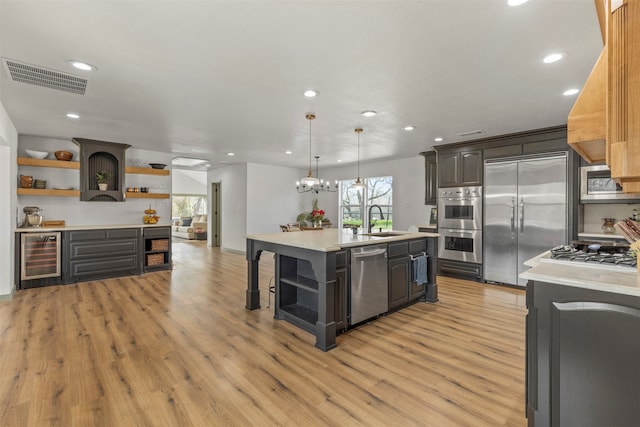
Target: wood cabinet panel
[582, 367]
[463, 168]
[430, 178]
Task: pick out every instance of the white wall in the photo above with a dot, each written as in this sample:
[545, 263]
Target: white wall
[408, 188]
[8, 202]
[593, 214]
[76, 212]
[272, 198]
[185, 181]
[233, 196]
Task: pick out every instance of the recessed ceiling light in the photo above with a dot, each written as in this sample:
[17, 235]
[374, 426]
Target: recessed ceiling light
[409, 128]
[207, 165]
[570, 92]
[73, 116]
[310, 93]
[438, 139]
[231, 154]
[339, 160]
[82, 65]
[288, 152]
[516, 2]
[554, 57]
[368, 113]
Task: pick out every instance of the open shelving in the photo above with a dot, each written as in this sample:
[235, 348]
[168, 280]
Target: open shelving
[61, 164]
[298, 292]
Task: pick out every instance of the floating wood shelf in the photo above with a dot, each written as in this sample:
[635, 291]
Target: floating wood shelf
[47, 192]
[147, 171]
[28, 161]
[132, 195]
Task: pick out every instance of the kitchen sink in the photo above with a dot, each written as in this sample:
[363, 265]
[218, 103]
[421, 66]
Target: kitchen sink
[385, 234]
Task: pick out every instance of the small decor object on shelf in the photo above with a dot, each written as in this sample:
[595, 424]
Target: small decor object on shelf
[26, 181]
[102, 178]
[64, 155]
[157, 165]
[34, 154]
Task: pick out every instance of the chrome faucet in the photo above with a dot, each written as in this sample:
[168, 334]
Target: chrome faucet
[369, 216]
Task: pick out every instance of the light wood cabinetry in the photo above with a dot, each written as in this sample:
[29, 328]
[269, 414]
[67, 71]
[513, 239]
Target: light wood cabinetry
[623, 107]
[604, 124]
[27, 161]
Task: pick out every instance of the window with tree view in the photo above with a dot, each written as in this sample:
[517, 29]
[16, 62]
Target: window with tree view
[188, 205]
[355, 206]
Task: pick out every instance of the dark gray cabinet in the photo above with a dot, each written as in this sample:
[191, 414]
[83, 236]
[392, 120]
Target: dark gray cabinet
[459, 168]
[430, 178]
[582, 357]
[99, 254]
[157, 248]
[340, 304]
[401, 287]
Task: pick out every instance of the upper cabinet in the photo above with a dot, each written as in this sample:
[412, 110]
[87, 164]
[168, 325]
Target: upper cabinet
[459, 168]
[430, 178]
[623, 107]
[604, 124]
[106, 158]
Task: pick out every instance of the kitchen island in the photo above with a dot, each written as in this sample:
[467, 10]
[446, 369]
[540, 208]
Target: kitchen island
[582, 328]
[312, 271]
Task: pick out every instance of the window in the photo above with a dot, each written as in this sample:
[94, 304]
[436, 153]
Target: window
[188, 205]
[355, 205]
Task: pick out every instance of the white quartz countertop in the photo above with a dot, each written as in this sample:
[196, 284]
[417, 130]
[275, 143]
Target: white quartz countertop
[333, 239]
[620, 280]
[86, 227]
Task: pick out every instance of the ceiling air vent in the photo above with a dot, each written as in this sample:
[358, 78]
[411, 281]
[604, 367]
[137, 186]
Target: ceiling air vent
[44, 77]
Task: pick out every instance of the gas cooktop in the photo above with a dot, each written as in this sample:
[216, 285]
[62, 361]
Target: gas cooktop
[617, 256]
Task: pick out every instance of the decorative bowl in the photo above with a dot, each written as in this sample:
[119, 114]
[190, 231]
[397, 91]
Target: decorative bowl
[64, 155]
[35, 154]
[157, 165]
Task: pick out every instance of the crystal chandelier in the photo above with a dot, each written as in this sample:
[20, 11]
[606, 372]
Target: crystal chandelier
[358, 185]
[311, 183]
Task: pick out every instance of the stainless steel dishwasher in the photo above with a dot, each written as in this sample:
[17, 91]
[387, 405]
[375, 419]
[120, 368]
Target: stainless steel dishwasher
[369, 283]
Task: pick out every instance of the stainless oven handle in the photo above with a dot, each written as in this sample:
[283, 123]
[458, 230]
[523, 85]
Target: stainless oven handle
[513, 214]
[460, 231]
[459, 200]
[521, 215]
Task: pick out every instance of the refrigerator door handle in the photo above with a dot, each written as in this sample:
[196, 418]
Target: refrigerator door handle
[513, 215]
[521, 215]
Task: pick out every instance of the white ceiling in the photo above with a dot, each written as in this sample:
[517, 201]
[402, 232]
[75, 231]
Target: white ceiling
[203, 78]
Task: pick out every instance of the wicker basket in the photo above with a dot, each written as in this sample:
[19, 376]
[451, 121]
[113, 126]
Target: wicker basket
[155, 259]
[160, 245]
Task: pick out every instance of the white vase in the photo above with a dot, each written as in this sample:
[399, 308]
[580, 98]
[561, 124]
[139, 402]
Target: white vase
[102, 186]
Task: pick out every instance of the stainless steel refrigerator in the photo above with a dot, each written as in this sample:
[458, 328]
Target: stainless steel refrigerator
[525, 213]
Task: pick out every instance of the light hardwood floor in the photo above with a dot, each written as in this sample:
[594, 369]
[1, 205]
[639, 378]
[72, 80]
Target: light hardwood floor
[179, 349]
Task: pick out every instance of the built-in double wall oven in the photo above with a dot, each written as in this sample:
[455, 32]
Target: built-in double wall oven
[460, 224]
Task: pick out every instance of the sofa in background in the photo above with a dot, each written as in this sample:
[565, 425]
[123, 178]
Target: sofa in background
[189, 227]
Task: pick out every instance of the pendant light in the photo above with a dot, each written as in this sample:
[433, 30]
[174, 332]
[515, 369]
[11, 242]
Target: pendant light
[358, 185]
[309, 181]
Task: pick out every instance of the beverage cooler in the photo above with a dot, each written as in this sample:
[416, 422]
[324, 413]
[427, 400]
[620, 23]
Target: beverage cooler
[40, 259]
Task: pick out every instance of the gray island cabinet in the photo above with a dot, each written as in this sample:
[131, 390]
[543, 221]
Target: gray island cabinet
[583, 346]
[312, 276]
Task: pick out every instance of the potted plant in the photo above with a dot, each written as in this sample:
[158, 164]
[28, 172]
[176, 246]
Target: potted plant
[102, 178]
